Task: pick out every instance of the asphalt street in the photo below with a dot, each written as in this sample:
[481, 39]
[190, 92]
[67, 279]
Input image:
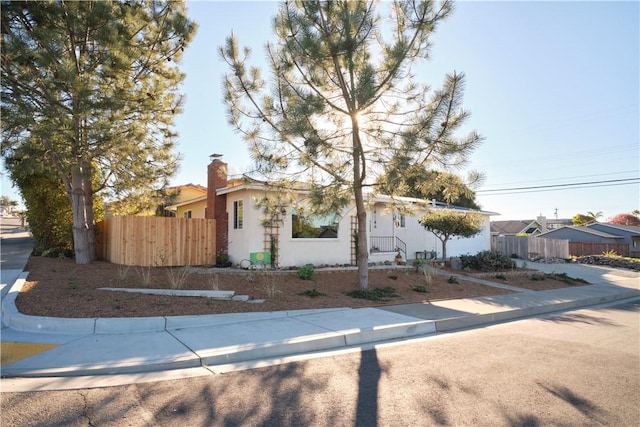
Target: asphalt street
[16, 244]
[577, 368]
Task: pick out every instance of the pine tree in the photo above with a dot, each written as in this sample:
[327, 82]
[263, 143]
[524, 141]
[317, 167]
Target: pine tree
[342, 101]
[94, 83]
[415, 181]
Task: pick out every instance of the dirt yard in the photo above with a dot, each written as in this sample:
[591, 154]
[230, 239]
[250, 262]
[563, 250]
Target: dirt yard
[60, 288]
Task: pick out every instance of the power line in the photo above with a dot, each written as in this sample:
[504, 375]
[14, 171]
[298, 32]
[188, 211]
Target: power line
[559, 185]
[568, 177]
[542, 190]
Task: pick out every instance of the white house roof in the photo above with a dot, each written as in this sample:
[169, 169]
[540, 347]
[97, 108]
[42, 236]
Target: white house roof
[378, 198]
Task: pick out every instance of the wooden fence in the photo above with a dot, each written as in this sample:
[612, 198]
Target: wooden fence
[526, 247]
[592, 248]
[156, 241]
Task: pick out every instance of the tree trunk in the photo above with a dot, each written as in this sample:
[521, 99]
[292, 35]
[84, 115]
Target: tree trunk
[361, 213]
[363, 246]
[82, 206]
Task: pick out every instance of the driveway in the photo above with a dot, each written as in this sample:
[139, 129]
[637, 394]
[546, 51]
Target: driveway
[593, 274]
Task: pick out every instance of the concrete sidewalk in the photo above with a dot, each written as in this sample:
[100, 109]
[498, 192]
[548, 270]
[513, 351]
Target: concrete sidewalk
[54, 347]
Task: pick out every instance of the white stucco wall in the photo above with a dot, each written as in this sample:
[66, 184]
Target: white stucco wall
[297, 252]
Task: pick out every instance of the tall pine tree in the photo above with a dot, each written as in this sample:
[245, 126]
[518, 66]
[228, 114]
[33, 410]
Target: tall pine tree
[95, 84]
[342, 101]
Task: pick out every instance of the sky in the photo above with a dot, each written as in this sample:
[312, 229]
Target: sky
[553, 87]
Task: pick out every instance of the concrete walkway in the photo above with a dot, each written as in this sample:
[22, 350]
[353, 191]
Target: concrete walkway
[54, 347]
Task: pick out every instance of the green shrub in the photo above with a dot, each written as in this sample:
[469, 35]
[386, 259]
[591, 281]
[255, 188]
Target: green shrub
[501, 277]
[57, 253]
[418, 263]
[562, 277]
[223, 259]
[452, 280]
[536, 277]
[313, 293]
[374, 294]
[306, 272]
[487, 261]
[419, 288]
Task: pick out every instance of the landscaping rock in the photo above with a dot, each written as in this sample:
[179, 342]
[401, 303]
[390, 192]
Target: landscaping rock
[609, 261]
[456, 263]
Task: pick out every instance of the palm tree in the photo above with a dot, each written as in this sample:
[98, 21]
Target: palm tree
[595, 215]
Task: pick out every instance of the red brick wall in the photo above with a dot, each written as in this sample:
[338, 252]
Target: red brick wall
[217, 205]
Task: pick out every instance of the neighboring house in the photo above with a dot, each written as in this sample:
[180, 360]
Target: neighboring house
[297, 238]
[630, 234]
[527, 227]
[188, 201]
[575, 233]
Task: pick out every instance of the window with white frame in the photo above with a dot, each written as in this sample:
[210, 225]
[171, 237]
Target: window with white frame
[399, 220]
[187, 214]
[238, 214]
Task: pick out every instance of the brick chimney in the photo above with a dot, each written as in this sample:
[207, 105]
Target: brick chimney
[217, 205]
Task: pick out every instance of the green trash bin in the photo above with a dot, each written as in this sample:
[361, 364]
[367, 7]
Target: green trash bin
[260, 258]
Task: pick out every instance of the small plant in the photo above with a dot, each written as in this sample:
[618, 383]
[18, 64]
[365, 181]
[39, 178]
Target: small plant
[419, 288]
[250, 277]
[57, 253]
[71, 283]
[313, 293]
[501, 277]
[374, 294]
[271, 285]
[222, 259]
[145, 276]
[537, 277]
[272, 290]
[417, 264]
[562, 277]
[610, 253]
[177, 277]
[452, 280]
[123, 272]
[428, 274]
[306, 272]
[214, 282]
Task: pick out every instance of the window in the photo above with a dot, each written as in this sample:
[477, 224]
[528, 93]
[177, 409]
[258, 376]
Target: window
[399, 220]
[238, 215]
[314, 226]
[187, 214]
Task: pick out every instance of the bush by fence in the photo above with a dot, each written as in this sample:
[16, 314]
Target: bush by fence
[156, 241]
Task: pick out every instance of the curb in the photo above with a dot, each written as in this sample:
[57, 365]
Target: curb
[13, 319]
[331, 340]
